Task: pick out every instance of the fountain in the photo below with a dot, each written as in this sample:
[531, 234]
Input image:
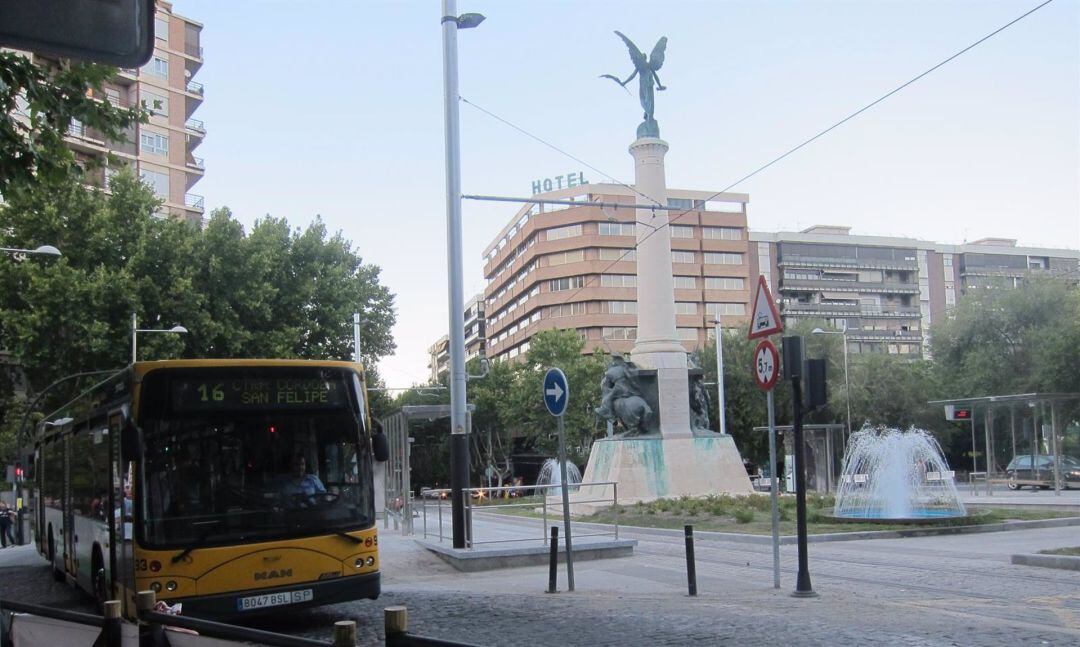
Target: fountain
[893, 474]
[551, 475]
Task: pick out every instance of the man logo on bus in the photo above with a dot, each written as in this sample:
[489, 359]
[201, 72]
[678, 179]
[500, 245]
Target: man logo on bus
[273, 575]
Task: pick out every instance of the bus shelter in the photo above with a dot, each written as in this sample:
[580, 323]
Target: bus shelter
[823, 452]
[397, 498]
[1047, 428]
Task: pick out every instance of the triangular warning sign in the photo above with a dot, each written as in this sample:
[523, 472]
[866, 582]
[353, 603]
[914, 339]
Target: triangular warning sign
[765, 320]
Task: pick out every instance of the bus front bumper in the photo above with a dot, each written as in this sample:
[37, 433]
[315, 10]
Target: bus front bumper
[295, 596]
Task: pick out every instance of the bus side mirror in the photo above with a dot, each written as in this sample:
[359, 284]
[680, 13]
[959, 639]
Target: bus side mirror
[380, 445]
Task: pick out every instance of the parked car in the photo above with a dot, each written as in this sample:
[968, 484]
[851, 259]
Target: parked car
[1021, 472]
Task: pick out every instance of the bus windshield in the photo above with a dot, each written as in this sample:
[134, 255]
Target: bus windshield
[251, 454]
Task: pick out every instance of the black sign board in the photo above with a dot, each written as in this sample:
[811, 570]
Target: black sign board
[114, 32]
[260, 393]
[958, 412]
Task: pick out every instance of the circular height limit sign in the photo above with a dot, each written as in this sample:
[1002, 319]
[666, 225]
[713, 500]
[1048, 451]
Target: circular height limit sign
[766, 365]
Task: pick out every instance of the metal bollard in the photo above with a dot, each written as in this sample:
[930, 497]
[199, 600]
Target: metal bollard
[395, 624]
[345, 633]
[691, 569]
[553, 567]
[113, 626]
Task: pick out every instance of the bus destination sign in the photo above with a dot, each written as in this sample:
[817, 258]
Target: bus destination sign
[258, 393]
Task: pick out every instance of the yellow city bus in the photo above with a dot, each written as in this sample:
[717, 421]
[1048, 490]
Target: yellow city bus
[231, 486]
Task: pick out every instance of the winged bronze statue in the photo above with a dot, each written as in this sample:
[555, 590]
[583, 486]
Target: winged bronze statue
[645, 69]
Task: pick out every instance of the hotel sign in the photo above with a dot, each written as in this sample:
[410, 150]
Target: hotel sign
[567, 181]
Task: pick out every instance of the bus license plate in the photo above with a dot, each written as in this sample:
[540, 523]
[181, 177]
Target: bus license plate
[273, 599]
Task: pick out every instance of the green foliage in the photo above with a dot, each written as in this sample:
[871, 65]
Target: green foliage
[270, 292]
[38, 107]
[744, 515]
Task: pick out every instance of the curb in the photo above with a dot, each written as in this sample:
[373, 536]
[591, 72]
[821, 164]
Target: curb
[471, 561]
[1063, 562]
[1002, 526]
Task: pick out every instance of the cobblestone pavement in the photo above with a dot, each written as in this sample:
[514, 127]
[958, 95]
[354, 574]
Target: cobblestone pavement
[952, 590]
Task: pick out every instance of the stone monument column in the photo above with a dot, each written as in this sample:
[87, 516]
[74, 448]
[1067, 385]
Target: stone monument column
[658, 345]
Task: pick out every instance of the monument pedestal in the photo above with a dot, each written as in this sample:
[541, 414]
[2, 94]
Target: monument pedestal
[656, 468]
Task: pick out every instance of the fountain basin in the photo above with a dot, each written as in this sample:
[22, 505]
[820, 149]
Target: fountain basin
[919, 517]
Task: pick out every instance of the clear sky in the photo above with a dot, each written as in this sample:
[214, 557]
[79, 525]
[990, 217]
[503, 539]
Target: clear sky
[336, 109]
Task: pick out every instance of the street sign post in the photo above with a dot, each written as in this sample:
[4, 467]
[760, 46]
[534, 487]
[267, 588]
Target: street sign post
[766, 370]
[764, 318]
[556, 397]
[766, 365]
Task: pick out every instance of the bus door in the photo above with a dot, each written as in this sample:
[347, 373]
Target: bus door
[67, 532]
[120, 551]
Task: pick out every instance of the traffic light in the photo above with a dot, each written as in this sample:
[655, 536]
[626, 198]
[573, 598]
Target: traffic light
[958, 412]
[18, 471]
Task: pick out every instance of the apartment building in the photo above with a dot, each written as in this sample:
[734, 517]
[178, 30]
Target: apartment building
[568, 266]
[162, 151]
[475, 340]
[886, 292]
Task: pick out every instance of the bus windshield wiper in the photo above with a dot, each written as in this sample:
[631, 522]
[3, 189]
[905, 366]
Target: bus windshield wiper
[355, 540]
[198, 543]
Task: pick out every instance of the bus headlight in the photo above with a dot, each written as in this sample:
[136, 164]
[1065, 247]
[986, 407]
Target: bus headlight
[359, 562]
[155, 587]
[370, 561]
[171, 585]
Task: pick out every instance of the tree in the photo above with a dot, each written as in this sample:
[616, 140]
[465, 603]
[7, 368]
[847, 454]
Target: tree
[276, 292]
[39, 104]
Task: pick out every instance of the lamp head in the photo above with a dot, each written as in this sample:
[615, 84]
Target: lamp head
[470, 20]
[48, 250]
[179, 330]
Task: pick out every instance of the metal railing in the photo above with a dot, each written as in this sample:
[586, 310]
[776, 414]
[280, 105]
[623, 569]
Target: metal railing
[197, 162]
[195, 87]
[515, 493]
[193, 201]
[195, 124]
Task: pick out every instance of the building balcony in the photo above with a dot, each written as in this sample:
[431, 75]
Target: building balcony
[885, 335]
[193, 49]
[195, 87]
[196, 126]
[821, 309]
[192, 201]
[196, 163]
[888, 287]
[846, 263]
[891, 311]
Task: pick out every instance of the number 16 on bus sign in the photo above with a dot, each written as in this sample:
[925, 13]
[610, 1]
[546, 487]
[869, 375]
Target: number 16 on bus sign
[766, 365]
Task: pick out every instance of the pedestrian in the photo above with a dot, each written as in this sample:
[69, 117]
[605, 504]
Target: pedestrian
[6, 522]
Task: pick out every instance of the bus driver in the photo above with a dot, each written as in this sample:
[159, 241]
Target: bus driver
[299, 483]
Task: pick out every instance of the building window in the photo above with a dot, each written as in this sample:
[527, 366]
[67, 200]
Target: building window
[723, 258]
[558, 233]
[567, 309]
[687, 334]
[733, 309]
[685, 203]
[562, 258]
[619, 333]
[154, 143]
[681, 231]
[622, 307]
[685, 282]
[724, 283]
[161, 29]
[617, 229]
[159, 182]
[616, 254]
[567, 283]
[685, 308]
[156, 103]
[158, 67]
[618, 280]
[680, 256]
[112, 95]
[722, 233]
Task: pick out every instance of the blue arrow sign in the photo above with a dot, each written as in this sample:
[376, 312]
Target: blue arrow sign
[556, 392]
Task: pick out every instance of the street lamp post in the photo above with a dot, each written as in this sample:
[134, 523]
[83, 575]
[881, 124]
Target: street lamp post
[459, 444]
[847, 384]
[720, 375]
[176, 330]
